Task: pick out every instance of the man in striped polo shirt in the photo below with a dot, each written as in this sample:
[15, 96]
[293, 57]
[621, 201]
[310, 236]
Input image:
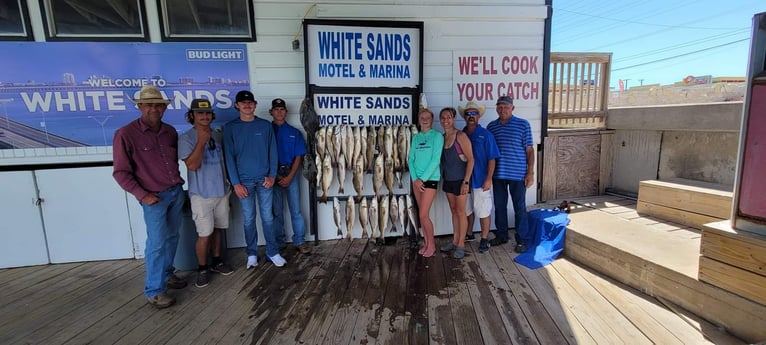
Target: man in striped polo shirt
[514, 172]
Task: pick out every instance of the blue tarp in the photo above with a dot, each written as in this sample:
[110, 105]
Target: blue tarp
[549, 227]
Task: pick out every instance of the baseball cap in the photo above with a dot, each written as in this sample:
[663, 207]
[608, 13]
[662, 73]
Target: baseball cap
[200, 104]
[505, 100]
[278, 103]
[245, 95]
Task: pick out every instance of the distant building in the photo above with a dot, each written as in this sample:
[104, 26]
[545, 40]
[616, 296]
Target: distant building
[69, 79]
[728, 80]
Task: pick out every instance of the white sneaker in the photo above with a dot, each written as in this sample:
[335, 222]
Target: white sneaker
[252, 261]
[277, 260]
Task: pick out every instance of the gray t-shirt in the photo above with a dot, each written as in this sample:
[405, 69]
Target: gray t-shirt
[209, 180]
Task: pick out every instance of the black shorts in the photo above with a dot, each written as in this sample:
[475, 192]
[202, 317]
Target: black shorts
[431, 184]
[453, 187]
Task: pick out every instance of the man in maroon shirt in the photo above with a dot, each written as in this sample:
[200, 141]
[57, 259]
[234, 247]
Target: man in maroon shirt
[145, 154]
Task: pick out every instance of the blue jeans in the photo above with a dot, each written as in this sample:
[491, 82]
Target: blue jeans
[163, 220]
[518, 191]
[255, 190]
[293, 194]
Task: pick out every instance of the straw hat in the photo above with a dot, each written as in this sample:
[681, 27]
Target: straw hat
[473, 105]
[150, 94]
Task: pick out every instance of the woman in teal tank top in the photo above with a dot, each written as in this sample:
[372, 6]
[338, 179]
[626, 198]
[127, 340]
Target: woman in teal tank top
[424, 157]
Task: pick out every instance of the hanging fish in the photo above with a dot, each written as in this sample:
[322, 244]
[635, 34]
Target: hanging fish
[320, 168]
[309, 117]
[401, 147]
[377, 178]
[393, 213]
[394, 149]
[356, 135]
[381, 140]
[321, 142]
[389, 175]
[370, 153]
[373, 213]
[412, 212]
[383, 215]
[407, 144]
[336, 215]
[341, 173]
[332, 151]
[414, 130]
[310, 168]
[388, 141]
[340, 141]
[350, 217]
[349, 142]
[363, 218]
[363, 146]
[402, 206]
[358, 177]
[396, 160]
[326, 176]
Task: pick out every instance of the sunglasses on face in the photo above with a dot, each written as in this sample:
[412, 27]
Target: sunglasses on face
[471, 113]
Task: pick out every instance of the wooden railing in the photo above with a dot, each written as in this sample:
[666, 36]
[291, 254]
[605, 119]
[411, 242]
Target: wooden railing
[578, 90]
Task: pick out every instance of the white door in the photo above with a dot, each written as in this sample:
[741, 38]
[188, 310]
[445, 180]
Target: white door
[23, 241]
[86, 215]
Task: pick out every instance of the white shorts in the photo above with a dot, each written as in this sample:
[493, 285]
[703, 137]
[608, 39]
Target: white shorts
[479, 201]
[210, 214]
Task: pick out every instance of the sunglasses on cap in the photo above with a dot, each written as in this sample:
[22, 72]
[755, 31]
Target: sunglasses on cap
[472, 113]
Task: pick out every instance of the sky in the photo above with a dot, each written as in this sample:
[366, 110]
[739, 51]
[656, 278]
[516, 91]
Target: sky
[659, 41]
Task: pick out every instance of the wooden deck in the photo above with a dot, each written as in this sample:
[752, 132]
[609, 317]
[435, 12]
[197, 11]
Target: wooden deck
[343, 293]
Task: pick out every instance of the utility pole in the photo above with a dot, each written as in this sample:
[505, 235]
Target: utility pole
[626, 83]
[641, 81]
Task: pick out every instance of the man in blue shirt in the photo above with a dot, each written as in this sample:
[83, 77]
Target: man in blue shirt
[514, 172]
[290, 147]
[485, 152]
[251, 158]
[209, 190]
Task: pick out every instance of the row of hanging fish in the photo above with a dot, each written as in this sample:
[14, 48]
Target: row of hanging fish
[377, 216]
[381, 151]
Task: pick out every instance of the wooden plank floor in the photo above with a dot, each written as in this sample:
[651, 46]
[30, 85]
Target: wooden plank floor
[343, 293]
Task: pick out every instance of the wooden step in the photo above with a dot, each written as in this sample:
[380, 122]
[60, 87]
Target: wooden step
[688, 202]
[734, 260]
[659, 264]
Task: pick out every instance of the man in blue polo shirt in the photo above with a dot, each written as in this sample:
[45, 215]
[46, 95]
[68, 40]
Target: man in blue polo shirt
[485, 152]
[290, 147]
[514, 172]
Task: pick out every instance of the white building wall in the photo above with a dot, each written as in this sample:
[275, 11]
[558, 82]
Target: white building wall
[276, 70]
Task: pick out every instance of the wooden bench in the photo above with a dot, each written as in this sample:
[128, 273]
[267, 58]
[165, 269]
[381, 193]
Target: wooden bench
[734, 260]
[688, 202]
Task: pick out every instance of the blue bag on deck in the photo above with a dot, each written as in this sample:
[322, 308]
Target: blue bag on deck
[549, 227]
